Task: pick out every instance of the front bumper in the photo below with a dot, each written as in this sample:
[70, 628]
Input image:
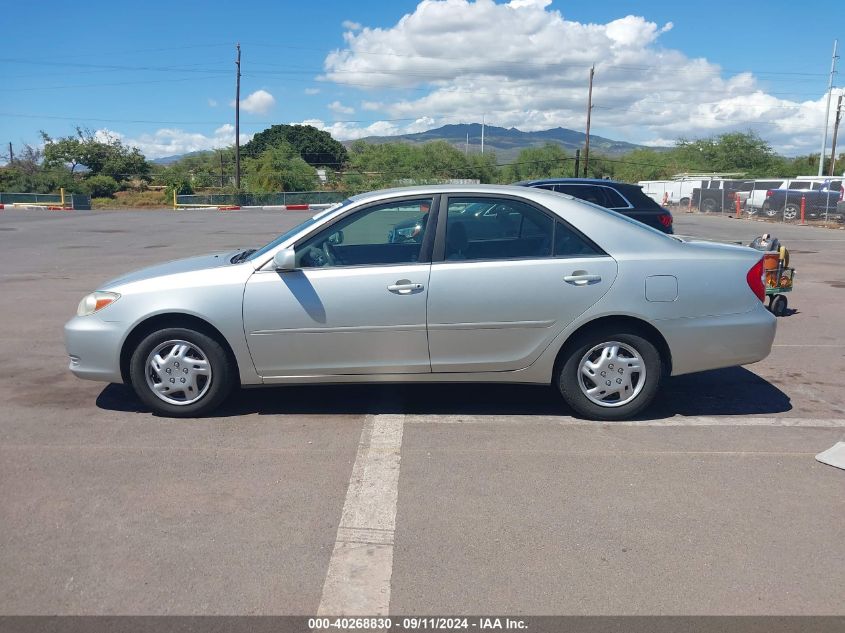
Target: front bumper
[94, 348]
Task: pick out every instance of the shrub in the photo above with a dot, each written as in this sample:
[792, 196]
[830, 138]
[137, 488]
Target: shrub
[101, 186]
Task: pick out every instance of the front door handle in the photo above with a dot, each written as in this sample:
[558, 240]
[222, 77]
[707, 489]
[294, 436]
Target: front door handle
[405, 287]
[579, 278]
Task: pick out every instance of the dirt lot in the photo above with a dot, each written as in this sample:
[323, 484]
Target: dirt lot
[485, 498]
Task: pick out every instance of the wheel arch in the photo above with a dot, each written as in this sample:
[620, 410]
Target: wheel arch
[626, 323]
[169, 320]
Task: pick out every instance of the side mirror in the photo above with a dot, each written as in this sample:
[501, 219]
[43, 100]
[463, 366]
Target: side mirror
[285, 259]
[336, 238]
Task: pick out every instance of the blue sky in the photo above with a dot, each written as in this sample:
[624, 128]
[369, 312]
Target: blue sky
[161, 75]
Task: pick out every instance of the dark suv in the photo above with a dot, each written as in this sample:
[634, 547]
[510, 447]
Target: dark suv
[621, 197]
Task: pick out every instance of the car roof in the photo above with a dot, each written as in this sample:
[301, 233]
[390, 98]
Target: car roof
[562, 181]
[461, 189]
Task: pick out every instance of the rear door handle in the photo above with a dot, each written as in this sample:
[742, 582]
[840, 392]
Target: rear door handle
[404, 287]
[582, 279]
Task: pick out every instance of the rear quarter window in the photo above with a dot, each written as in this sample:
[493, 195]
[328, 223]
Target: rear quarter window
[614, 199]
[637, 198]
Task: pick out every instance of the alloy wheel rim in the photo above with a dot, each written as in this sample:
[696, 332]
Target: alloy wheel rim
[611, 374]
[178, 372]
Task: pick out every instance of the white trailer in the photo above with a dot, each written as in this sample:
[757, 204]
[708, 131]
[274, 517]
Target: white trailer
[678, 189]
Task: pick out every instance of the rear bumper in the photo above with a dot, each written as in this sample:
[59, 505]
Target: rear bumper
[94, 348]
[713, 342]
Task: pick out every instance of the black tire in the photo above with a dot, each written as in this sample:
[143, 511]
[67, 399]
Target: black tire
[683, 203]
[708, 205]
[568, 376]
[791, 211]
[778, 305]
[213, 390]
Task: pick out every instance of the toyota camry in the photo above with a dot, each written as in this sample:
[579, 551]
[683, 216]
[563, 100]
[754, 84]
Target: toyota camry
[469, 283]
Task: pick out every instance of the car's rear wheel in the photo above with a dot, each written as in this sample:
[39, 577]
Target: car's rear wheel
[610, 375]
[179, 372]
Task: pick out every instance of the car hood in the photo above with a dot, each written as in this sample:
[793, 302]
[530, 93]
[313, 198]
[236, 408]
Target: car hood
[190, 264]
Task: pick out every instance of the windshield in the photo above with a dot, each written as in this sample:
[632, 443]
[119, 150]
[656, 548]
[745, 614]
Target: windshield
[299, 227]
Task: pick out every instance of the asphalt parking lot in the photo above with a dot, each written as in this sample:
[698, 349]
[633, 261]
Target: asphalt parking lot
[469, 499]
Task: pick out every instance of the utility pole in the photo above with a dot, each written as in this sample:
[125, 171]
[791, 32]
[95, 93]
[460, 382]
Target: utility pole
[827, 109]
[238, 122]
[589, 112]
[12, 154]
[835, 134]
[483, 116]
[577, 162]
[222, 181]
[466, 147]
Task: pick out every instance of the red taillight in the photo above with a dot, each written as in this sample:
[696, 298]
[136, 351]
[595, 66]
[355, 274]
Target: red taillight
[665, 219]
[755, 280]
[769, 193]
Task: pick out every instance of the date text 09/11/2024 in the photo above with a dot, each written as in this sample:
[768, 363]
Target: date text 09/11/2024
[417, 623]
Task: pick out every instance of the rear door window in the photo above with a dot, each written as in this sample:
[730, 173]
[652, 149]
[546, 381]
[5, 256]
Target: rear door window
[508, 229]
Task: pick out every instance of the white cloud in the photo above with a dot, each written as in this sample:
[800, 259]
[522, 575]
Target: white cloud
[344, 131]
[212, 103]
[312, 91]
[338, 108]
[349, 25]
[536, 77]
[172, 141]
[259, 102]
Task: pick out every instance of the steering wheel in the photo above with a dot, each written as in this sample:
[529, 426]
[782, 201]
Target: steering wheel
[331, 255]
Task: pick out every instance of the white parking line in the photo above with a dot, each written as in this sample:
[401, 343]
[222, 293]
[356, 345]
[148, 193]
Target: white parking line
[358, 578]
[826, 345]
[361, 565]
[517, 420]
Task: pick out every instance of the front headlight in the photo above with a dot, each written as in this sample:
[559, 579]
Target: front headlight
[95, 302]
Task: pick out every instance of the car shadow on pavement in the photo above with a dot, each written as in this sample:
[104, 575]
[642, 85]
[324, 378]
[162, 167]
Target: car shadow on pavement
[732, 391]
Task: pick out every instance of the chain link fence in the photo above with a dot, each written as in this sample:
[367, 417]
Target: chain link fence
[262, 199]
[771, 199]
[74, 201]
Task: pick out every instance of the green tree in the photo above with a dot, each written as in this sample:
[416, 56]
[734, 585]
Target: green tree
[743, 152]
[546, 161]
[646, 164]
[279, 168]
[106, 156]
[377, 165]
[314, 146]
[101, 186]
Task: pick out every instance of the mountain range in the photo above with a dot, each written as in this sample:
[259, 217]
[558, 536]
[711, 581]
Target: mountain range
[508, 142]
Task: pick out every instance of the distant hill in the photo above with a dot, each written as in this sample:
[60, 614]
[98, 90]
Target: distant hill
[507, 143]
[168, 160]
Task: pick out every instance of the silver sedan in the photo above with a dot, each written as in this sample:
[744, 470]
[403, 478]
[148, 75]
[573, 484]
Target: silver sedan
[539, 288]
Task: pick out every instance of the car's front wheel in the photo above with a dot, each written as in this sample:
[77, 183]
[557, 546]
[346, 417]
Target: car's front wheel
[610, 375]
[791, 211]
[179, 372]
